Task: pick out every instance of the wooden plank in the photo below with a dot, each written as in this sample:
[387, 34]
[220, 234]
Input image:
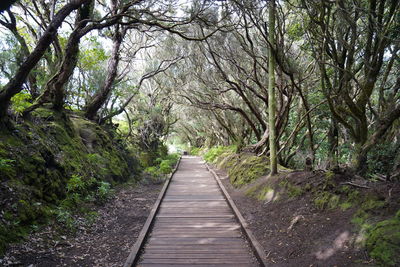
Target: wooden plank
[195, 216]
[232, 262]
[222, 222]
[198, 247]
[199, 235]
[194, 240]
[197, 229]
[243, 255]
[258, 249]
[133, 255]
[225, 251]
[191, 265]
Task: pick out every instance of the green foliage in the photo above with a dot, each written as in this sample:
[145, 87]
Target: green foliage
[368, 205]
[263, 192]
[21, 101]
[214, 152]
[381, 159]
[325, 199]
[294, 191]
[383, 241]
[104, 191]
[65, 217]
[72, 165]
[80, 190]
[6, 165]
[163, 165]
[91, 57]
[195, 151]
[345, 205]
[153, 171]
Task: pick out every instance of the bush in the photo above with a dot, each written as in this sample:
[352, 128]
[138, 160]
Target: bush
[163, 165]
[381, 159]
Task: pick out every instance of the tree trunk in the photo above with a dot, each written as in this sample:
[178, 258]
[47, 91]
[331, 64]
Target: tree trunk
[101, 96]
[333, 138]
[56, 85]
[360, 154]
[271, 91]
[14, 86]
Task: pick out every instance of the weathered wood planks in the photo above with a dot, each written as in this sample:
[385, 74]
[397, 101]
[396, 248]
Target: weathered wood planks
[194, 225]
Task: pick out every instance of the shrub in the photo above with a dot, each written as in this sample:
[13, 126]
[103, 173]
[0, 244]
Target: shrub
[165, 167]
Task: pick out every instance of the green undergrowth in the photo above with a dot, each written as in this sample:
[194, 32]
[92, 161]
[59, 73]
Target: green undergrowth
[195, 151]
[243, 168]
[163, 165]
[213, 153]
[383, 241]
[53, 162]
[369, 211]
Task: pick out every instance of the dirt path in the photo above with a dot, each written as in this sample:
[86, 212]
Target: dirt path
[107, 242]
[317, 238]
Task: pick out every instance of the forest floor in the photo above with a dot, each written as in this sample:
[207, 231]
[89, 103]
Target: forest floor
[294, 232]
[106, 242]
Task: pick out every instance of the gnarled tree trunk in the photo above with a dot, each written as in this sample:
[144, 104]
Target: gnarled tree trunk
[101, 96]
[14, 86]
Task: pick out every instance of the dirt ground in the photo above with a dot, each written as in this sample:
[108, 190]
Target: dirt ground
[316, 238]
[106, 242]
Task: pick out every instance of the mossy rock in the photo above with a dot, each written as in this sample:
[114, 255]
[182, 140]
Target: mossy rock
[227, 160]
[383, 241]
[45, 151]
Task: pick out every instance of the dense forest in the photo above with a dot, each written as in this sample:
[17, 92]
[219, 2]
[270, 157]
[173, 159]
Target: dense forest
[93, 93]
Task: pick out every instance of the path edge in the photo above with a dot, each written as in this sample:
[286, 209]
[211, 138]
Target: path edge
[140, 241]
[256, 246]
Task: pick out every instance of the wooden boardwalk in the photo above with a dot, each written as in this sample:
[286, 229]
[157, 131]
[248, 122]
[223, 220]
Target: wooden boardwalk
[195, 226]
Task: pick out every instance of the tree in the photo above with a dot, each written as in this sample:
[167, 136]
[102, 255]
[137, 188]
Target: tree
[271, 91]
[14, 86]
[353, 44]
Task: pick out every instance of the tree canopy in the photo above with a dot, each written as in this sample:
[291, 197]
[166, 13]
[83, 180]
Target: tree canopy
[206, 73]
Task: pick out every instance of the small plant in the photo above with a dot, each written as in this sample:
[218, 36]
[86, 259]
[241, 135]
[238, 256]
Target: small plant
[345, 206]
[65, 217]
[165, 167]
[326, 199]
[20, 102]
[6, 164]
[104, 191]
[294, 191]
[75, 183]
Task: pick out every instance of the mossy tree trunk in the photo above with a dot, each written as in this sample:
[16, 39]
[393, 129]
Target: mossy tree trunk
[271, 91]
